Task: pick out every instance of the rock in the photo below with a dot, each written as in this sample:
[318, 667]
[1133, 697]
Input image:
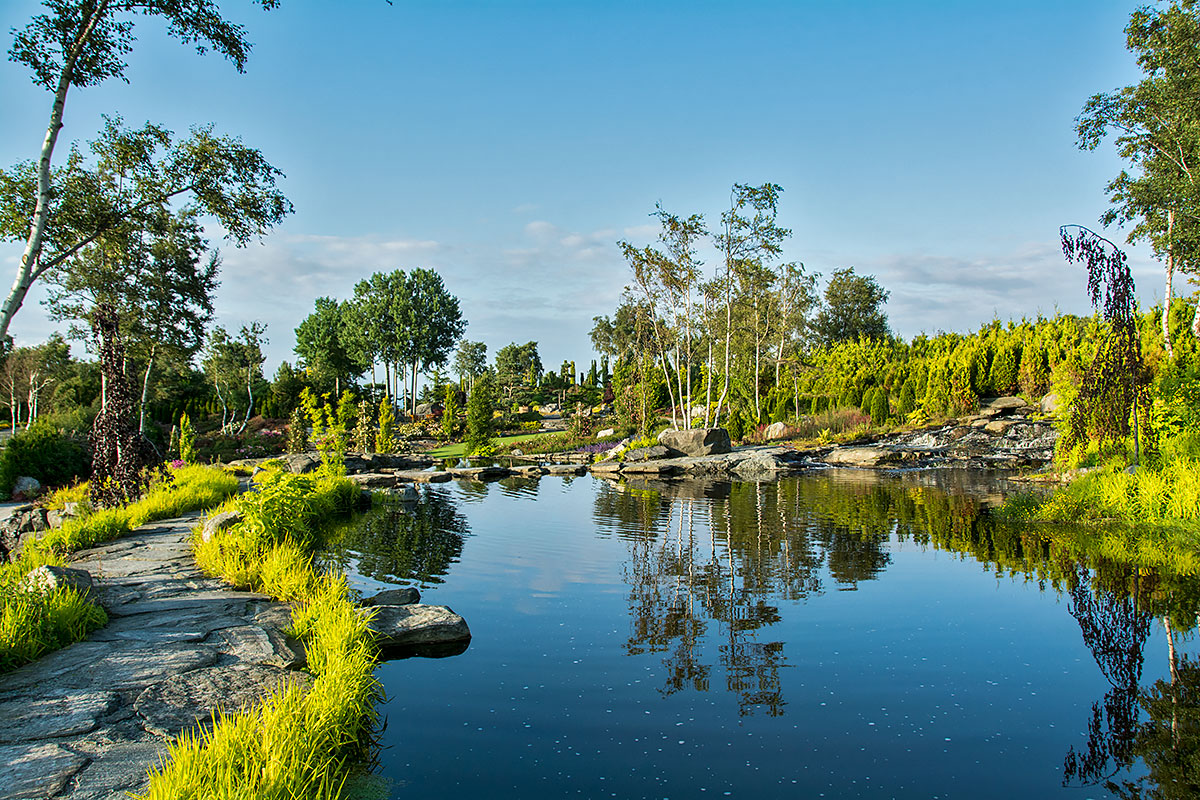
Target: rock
[218, 523]
[424, 409]
[999, 426]
[651, 453]
[407, 493]
[182, 701]
[549, 408]
[374, 480]
[776, 430]
[57, 713]
[1006, 405]
[518, 452]
[396, 626]
[1050, 404]
[606, 432]
[253, 644]
[565, 469]
[36, 771]
[697, 441]
[423, 476]
[26, 488]
[70, 509]
[23, 522]
[860, 456]
[407, 596]
[300, 463]
[48, 577]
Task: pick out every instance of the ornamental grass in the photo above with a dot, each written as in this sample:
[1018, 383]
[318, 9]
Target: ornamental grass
[295, 744]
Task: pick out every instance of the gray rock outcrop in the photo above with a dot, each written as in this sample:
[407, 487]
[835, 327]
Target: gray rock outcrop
[697, 441]
[218, 523]
[399, 626]
[406, 596]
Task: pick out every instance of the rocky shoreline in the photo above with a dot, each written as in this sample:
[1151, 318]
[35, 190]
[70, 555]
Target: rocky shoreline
[88, 721]
[1005, 433]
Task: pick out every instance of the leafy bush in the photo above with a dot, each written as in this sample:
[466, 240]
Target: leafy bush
[44, 453]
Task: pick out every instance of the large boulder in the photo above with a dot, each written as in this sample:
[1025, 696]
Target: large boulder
[697, 441]
[300, 463]
[860, 456]
[776, 430]
[1050, 405]
[399, 626]
[26, 488]
[652, 453]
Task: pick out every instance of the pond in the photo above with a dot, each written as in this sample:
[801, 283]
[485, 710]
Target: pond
[843, 634]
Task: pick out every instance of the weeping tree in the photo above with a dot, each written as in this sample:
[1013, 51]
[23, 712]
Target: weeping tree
[119, 451]
[1114, 393]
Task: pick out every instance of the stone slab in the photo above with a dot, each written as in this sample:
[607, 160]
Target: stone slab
[48, 715]
[191, 699]
[36, 771]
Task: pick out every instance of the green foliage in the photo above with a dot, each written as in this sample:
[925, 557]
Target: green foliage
[879, 407]
[32, 624]
[385, 433]
[480, 406]
[43, 453]
[187, 439]
[297, 743]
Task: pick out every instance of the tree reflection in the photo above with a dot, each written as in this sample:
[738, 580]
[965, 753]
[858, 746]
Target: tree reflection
[398, 542]
[1114, 628]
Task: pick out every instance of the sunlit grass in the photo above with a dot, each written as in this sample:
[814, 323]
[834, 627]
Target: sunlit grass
[32, 624]
[295, 744]
[1148, 517]
[456, 450]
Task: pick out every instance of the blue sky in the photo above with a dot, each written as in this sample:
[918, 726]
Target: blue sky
[509, 145]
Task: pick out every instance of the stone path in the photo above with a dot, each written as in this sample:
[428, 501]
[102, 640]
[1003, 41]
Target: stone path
[88, 721]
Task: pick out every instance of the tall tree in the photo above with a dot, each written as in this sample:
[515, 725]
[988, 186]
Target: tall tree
[749, 238]
[155, 274]
[432, 322]
[852, 309]
[323, 347]
[469, 362]
[1157, 127]
[518, 365]
[82, 43]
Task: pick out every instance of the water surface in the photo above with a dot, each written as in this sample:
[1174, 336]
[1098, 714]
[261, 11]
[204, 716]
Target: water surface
[839, 635]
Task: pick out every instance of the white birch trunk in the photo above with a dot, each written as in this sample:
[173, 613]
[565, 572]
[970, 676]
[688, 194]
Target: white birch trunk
[28, 271]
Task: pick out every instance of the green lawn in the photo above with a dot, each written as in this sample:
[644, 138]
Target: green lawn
[456, 450]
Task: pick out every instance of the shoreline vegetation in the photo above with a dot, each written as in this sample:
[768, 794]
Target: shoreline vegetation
[296, 743]
[32, 622]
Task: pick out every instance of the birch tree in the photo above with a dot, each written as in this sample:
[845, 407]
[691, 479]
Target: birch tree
[82, 43]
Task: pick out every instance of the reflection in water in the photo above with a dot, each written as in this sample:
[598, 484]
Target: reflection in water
[711, 568]
[709, 562]
[398, 542]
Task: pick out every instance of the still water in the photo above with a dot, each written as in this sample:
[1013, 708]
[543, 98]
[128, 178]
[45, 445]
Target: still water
[845, 634]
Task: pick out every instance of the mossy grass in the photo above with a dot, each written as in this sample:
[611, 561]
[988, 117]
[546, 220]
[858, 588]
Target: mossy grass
[295, 744]
[31, 623]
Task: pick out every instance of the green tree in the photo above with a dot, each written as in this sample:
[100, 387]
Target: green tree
[852, 309]
[1156, 123]
[518, 366]
[480, 407]
[433, 323]
[322, 347]
[450, 411]
[82, 43]
[469, 362]
[385, 433]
